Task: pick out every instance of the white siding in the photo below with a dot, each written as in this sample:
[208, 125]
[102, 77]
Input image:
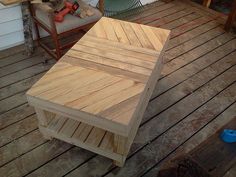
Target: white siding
[11, 26]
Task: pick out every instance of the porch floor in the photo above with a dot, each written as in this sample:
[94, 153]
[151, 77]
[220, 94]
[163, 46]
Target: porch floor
[194, 99]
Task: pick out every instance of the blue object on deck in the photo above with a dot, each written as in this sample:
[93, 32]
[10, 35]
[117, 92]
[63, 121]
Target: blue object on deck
[228, 136]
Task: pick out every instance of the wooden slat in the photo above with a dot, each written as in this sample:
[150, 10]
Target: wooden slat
[102, 94]
[114, 99]
[57, 91]
[115, 56]
[134, 48]
[95, 137]
[108, 62]
[69, 127]
[57, 123]
[111, 70]
[98, 30]
[133, 39]
[152, 38]
[118, 109]
[122, 37]
[82, 132]
[86, 90]
[55, 84]
[107, 142]
[109, 30]
[122, 51]
[142, 36]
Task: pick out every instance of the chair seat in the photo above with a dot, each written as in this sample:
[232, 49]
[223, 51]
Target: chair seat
[70, 21]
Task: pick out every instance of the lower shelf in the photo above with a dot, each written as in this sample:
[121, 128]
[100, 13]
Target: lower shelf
[83, 135]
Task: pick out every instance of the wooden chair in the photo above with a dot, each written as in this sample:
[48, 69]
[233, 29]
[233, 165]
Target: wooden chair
[43, 16]
[231, 17]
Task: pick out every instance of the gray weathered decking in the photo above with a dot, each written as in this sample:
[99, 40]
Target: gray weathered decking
[195, 97]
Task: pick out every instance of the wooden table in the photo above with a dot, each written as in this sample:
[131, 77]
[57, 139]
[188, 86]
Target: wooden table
[96, 95]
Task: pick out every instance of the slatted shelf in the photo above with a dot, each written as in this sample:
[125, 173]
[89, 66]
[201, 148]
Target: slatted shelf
[82, 135]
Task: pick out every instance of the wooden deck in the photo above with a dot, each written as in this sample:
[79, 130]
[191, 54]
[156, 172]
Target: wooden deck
[195, 97]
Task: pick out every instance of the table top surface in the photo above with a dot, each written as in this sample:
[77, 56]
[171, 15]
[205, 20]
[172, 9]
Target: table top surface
[105, 73]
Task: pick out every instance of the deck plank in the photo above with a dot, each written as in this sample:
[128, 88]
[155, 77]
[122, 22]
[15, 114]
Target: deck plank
[196, 80]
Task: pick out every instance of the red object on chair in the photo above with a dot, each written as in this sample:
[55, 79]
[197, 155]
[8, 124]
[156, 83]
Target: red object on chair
[69, 8]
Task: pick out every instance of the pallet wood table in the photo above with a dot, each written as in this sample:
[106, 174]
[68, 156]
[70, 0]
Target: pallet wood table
[96, 95]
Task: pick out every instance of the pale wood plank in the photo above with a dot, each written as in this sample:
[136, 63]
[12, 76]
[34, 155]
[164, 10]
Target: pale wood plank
[120, 108]
[117, 50]
[108, 28]
[82, 132]
[119, 32]
[95, 137]
[107, 142]
[53, 93]
[111, 70]
[152, 38]
[83, 74]
[86, 90]
[101, 94]
[141, 36]
[134, 48]
[111, 63]
[114, 99]
[133, 39]
[57, 123]
[69, 127]
[98, 30]
[115, 56]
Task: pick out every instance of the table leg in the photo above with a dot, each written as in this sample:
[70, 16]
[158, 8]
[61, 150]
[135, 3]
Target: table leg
[29, 44]
[206, 3]
[43, 121]
[120, 147]
[232, 16]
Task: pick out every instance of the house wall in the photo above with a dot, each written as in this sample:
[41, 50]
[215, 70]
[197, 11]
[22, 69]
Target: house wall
[11, 26]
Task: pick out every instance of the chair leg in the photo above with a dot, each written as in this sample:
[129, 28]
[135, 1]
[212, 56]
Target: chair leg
[37, 32]
[57, 46]
[231, 17]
